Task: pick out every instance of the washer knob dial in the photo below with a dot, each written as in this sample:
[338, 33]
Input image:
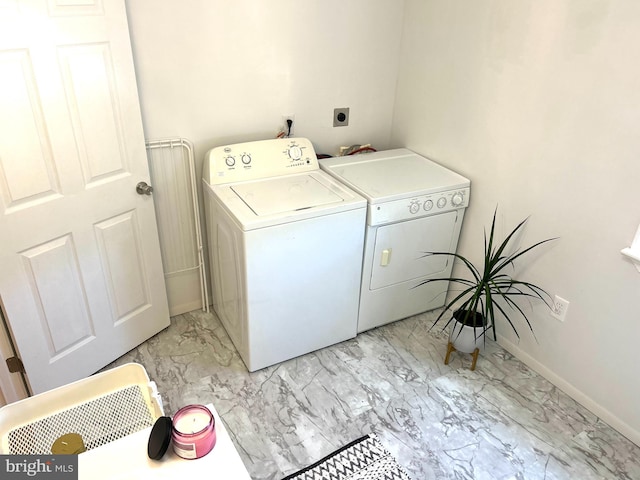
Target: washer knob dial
[246, 158]
[442, 202]
[414, 207]
[230, 161]
[457, 199]
[428, 205]
[295, 153]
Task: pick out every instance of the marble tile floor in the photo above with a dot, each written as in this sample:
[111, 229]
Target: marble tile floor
[502, 421]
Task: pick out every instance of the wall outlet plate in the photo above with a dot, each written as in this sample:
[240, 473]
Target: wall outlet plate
[340, 117]
[559, 308]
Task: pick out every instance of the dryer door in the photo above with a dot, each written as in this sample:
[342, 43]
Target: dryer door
[400, 248]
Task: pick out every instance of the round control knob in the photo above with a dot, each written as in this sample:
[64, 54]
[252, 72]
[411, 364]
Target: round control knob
[428, 205]
[230, 161]
[246, 159]
[414, 207]
[441, 202]
[295, 153]
[457, 199]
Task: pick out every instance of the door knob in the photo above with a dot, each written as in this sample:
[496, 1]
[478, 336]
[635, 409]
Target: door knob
[143, 189]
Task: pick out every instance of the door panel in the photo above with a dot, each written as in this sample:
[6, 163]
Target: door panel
[121, 254]
[75, 7]
[54, 274]
[30, 174]
[80, 271]
[87, 73]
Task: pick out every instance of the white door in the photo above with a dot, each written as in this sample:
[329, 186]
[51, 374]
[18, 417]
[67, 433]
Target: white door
[80, 271]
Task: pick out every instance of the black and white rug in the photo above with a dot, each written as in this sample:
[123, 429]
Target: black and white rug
[362, 459]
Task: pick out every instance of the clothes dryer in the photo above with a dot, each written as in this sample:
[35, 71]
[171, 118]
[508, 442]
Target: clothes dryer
[285, 245]
[414, 206]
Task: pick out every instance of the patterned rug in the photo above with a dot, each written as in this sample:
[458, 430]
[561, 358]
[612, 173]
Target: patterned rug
[362, 459]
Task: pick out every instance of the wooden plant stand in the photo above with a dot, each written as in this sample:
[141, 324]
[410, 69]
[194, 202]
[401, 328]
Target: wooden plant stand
[451, 348]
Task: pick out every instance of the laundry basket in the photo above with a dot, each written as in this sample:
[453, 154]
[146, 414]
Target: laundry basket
[101, 409]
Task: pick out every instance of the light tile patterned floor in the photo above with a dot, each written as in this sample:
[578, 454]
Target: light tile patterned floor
[502, 421]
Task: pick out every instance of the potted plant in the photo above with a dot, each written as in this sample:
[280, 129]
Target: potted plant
[489, 288]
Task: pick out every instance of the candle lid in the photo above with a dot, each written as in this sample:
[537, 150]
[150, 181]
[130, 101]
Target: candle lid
[159, 438]
[68, 444]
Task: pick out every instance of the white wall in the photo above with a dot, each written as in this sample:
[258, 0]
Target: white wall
[219, 72]
[538, 103]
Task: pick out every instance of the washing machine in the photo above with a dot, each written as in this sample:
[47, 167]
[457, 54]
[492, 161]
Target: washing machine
[414, 206]
[285, 244]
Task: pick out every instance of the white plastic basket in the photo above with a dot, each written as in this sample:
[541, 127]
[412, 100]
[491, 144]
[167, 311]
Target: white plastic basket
[101, 408]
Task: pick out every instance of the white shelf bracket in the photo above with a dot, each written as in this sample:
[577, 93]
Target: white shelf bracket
[633, 252]
[634, 256]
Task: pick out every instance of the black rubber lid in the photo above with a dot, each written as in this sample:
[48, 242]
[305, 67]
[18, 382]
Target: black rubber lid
[160, 438]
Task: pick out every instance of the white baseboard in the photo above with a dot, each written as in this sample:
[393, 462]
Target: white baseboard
[572, 391]
[184, 308]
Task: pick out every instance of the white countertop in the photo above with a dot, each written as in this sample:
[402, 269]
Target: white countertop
[127, 458]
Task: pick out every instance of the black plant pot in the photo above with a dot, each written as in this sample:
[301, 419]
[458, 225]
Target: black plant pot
[474, 319]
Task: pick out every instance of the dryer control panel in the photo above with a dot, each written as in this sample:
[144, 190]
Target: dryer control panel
[256, 160]
[419, 206]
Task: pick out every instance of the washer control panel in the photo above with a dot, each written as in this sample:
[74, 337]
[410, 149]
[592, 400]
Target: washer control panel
[256, 160]
[419, 206]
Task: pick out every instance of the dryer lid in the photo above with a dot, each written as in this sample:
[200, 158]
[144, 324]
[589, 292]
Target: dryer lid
[394, 174]
[285, 194]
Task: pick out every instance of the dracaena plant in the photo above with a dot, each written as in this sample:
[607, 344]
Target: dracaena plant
[490, 288]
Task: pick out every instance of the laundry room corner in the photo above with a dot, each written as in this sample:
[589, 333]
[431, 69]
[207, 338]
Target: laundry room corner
[535, 103]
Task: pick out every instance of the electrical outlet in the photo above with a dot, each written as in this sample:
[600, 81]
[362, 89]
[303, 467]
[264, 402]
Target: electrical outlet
[559, 308]
[340, 117]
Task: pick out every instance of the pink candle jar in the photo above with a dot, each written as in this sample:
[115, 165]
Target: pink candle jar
[193, 432]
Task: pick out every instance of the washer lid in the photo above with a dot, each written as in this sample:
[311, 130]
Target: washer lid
[285, 194]
[393, 174]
